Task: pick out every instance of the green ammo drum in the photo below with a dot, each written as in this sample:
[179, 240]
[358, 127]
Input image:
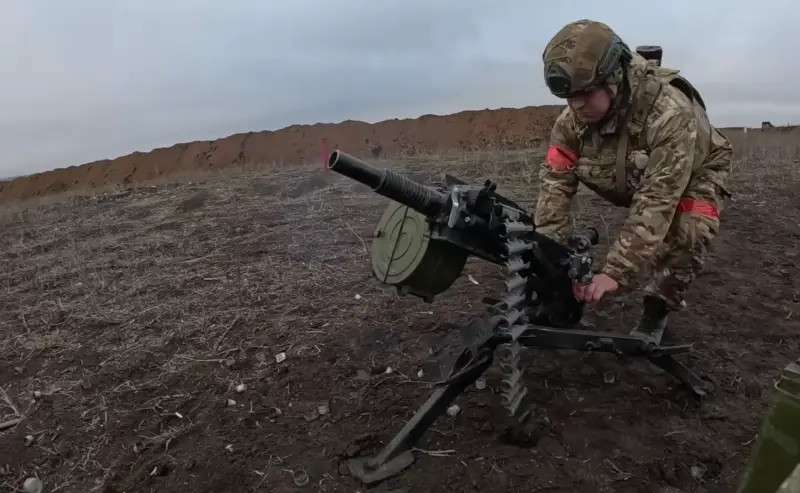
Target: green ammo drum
[404, 254]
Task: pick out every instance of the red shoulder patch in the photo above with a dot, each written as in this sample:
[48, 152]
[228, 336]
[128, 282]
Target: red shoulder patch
[561, 158]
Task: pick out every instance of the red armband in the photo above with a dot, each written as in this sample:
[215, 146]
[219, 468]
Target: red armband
[561, 158]
[698, 207]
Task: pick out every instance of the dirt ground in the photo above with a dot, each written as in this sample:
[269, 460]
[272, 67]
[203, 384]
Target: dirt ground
[128, 325]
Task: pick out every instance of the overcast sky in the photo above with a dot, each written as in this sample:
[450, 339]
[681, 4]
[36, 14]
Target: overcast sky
[82, 80]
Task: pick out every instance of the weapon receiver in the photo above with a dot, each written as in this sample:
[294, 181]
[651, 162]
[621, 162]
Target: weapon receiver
[425, 236]
[421, 245]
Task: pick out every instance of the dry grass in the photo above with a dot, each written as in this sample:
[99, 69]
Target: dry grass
[133, 320]
[112, 309]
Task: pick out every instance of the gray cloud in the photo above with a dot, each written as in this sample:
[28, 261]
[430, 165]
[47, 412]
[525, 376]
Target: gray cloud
[91, 79]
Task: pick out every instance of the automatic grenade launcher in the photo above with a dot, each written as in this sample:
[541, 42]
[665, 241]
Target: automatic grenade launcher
[421, 245]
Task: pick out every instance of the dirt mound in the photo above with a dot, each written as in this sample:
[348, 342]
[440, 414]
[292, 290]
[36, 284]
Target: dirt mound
[505, 128]
[501, 129]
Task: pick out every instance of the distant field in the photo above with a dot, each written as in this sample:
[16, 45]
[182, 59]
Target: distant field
[127, 321]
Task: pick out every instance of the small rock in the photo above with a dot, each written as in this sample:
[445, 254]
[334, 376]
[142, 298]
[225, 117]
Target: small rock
[280, 357]
[698, 471]
[480, 383]
[29, 439]
[323, 408]
[453, 410]
[231, 402]
[241, 388]
[32, 485]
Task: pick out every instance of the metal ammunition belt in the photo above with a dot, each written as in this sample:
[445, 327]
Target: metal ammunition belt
[512, 312]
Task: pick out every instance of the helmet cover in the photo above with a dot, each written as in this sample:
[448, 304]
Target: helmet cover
[583, 54]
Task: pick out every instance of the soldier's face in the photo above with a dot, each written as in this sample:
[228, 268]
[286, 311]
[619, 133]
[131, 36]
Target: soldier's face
[590, 106]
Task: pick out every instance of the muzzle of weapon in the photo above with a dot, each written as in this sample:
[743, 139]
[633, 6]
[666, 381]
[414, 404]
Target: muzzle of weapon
[385, 182]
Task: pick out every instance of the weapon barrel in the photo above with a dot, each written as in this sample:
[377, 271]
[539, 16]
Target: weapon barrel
[387, 183]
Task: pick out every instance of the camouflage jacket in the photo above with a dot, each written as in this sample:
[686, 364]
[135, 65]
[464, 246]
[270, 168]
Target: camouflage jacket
[671, 148]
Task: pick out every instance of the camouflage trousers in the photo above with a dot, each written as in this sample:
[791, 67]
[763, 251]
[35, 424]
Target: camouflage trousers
[686, 247]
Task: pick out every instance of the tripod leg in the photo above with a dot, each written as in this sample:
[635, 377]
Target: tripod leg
[397, 455]
[682, 373]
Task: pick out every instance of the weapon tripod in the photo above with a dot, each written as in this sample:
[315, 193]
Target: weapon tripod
[519, 320]
[421, 245]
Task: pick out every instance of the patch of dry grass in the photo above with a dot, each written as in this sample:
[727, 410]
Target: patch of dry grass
[133, 317]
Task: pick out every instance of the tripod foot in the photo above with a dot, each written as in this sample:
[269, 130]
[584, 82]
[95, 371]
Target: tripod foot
[363, 469]
[682, 373]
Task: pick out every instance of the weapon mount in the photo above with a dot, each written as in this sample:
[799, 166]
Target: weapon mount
[420, 247]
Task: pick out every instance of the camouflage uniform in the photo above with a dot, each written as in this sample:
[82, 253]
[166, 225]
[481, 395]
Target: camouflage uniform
[672, 170]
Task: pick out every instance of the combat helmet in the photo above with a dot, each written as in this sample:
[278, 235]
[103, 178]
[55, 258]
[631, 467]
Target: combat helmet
[582, 55]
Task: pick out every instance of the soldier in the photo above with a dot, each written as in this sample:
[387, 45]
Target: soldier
[638, 135]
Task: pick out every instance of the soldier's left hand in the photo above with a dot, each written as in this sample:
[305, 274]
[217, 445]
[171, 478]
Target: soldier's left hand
[595, 290]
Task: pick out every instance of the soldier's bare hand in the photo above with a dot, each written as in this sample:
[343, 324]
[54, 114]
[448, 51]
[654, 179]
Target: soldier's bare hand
[595, 290]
